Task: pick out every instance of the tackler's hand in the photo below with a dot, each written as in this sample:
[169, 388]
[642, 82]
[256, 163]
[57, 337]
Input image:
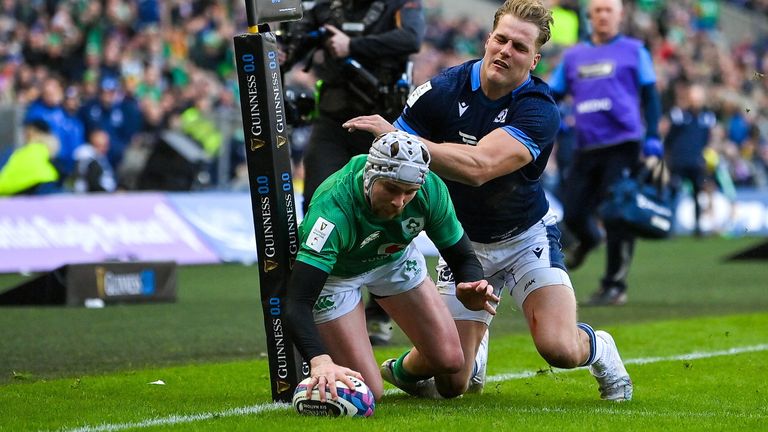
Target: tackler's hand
[374, 124]
[477, 296]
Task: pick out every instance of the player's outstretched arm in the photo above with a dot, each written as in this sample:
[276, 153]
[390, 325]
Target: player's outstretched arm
[495, 155]
[304, 287]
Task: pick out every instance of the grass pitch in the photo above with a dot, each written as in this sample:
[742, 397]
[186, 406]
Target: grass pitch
[693, 335]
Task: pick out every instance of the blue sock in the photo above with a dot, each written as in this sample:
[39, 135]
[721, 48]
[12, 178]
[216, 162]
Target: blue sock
[592, 343]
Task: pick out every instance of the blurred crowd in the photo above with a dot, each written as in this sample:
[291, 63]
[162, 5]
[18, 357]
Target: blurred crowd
[142, 94]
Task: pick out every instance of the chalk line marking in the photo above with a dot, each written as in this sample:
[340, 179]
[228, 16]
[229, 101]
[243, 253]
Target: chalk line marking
[262, 408]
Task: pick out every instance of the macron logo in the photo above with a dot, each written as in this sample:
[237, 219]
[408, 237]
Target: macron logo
[462, 108]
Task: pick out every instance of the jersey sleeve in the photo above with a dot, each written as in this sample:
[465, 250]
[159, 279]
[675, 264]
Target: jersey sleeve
[322, 239]
[645, 71]
[442, 227]
[420, 110]
[535, 124]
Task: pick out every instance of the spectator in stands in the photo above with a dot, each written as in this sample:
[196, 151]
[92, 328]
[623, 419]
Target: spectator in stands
[67, 128]
[115, 113]
[29, 170]
[94, 172]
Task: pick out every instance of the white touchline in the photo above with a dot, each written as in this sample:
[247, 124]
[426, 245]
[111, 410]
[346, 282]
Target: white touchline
[260, 408]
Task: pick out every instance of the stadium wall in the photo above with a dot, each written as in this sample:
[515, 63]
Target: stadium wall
[42, 233]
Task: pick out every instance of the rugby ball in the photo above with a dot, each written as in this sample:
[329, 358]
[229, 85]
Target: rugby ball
[355, 402]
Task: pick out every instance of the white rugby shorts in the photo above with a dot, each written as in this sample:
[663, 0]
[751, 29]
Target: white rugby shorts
[524, 263]
[340, 295]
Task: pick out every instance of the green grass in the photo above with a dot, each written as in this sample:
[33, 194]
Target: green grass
[62, 368]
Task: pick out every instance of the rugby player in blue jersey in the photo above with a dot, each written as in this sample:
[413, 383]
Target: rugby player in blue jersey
[490, 126]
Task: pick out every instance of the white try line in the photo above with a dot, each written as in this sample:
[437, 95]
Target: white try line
[261, 408]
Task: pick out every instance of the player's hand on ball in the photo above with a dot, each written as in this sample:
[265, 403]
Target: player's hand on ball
[477, 296]
[324, 373]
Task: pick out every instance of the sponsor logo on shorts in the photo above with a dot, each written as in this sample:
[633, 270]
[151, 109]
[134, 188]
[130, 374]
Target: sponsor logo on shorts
[537, 251]
[412, 268]
[529, 284]
[325, 304]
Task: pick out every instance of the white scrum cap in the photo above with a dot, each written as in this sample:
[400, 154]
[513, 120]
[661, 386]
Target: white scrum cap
[397, 156]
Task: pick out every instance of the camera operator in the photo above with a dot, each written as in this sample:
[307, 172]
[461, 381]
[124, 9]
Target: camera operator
[358, 50]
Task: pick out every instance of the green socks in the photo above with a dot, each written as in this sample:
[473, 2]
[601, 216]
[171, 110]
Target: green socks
[403, 375]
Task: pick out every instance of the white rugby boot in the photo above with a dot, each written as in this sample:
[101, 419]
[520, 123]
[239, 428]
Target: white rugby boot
[610, 373]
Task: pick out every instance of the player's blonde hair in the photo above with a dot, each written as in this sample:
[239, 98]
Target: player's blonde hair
[532, 11]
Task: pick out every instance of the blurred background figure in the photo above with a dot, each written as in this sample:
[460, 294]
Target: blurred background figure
[94, 172]
[29, 170]
[358, 50]
[114, 112]
[690, 125]
[617, 110]
[68, 129]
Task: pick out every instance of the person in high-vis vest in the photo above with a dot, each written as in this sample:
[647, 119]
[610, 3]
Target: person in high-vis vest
[29, 170]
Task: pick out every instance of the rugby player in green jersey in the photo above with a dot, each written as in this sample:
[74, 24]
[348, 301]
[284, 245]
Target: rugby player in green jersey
[359, 231]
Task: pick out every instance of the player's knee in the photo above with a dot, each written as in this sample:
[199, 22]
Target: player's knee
[560, 353]
[452, 391]
[448, 362]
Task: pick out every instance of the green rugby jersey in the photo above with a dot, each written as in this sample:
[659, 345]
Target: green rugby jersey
[340, 234]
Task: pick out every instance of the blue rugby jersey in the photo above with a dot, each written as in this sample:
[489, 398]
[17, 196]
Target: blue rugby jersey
[452, 107]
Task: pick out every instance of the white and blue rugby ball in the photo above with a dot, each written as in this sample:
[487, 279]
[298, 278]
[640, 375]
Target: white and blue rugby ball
[356, 402]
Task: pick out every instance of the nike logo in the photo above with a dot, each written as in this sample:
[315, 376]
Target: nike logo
[462, 108]
[538, 251]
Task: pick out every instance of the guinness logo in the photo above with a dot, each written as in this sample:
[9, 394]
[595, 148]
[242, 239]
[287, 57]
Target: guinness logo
[256, 144]
[282, 386]
[270, 265]
[281, 140]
